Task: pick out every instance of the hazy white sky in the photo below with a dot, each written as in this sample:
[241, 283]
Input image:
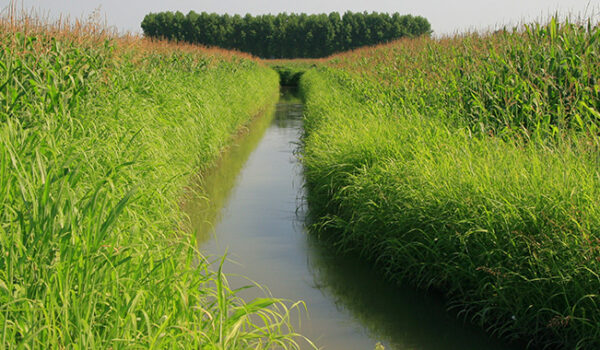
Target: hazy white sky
[446, 16]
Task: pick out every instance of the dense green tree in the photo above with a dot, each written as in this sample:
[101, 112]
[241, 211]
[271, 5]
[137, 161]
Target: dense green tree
[284, 35]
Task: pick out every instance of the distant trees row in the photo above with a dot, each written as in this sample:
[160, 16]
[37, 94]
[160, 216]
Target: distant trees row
[285, 35]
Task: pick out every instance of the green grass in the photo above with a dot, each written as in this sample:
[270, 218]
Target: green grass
[98, 138]
[469, 165]
[290, 71]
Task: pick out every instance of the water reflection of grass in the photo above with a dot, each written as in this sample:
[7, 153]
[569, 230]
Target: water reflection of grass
[214, 187]
[399, 316]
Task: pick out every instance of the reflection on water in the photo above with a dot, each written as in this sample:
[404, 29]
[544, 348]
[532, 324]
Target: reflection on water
[256, 216]
[216, 184]
[402, 317]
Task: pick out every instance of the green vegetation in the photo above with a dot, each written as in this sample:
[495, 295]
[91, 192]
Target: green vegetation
[284, 35]
[290, 71]
[98, 138]
[469, 165]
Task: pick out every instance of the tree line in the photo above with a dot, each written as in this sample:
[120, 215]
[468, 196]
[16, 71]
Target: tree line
[285, 35]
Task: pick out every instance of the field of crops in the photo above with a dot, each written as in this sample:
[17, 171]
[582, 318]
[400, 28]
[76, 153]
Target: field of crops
[99, 136]
[469, 165]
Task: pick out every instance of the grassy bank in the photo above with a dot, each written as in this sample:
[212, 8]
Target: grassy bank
[98, 137]
[469, 165]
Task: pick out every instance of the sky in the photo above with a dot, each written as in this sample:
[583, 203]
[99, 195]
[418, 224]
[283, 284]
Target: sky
[447, 17]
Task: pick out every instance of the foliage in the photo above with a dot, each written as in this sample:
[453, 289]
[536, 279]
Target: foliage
[290, 71]
[469, 165]
[98, 138]
[284, 35]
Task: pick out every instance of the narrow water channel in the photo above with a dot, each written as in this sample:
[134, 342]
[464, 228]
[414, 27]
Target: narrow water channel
[255, 214]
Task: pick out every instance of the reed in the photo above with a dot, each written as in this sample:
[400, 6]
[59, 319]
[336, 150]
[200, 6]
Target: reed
[469, 165]
[99, 135]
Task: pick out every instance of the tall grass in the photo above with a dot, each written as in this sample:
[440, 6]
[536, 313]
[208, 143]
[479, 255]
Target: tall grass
[98, 137]
[536, 79]
[469, 165]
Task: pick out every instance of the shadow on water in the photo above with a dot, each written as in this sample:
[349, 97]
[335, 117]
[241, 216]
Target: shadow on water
[254, 211]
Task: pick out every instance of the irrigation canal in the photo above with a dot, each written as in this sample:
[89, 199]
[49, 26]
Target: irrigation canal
[255, 213]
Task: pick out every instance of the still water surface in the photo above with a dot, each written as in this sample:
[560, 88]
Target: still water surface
[255, 213]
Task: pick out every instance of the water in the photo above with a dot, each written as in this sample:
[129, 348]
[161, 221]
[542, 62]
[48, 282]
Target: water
[255, 213]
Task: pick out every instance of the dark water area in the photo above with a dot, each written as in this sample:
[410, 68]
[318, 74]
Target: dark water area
[255, 213]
